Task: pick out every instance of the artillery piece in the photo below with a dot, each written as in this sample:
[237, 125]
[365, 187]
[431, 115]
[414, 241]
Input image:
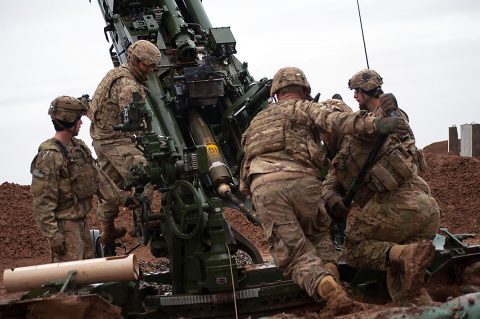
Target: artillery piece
[200, 101]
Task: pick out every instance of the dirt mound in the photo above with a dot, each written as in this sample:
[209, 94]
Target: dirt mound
[19, 237]
[454, 181]
[437, 148]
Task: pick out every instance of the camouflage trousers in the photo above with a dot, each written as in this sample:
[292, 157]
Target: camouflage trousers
[409, 214]
[78, 243]
[115, 158]
[297, 226]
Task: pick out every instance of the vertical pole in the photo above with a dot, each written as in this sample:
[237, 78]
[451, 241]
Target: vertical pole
[363, 36]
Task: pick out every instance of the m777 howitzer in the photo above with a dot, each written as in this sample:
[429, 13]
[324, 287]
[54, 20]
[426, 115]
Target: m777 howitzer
[201, 99]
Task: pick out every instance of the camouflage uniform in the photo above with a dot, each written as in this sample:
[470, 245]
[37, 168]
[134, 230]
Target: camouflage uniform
[64, 180]
[397, 204]
[115, 150]
[281, 168]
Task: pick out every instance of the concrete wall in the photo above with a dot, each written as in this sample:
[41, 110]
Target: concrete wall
[470, 143]
[453, 141]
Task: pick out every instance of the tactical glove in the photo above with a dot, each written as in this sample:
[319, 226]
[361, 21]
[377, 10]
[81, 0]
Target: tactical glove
[336, 207]
[389, 125]
[388, 102]
[57, 244]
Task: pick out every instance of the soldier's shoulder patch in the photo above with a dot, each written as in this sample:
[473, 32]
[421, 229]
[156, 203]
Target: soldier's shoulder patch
[48, 160]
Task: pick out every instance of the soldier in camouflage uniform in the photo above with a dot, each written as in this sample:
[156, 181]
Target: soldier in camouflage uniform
[399, 217]
[64, 179]
[115, 150]
[281, 171]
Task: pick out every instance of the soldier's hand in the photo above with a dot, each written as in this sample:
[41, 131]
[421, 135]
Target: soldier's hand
[389, 125]
[336, 207]
[57, 244]
[388, 102]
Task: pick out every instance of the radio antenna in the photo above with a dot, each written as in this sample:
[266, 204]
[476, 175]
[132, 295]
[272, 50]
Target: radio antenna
[363, 36]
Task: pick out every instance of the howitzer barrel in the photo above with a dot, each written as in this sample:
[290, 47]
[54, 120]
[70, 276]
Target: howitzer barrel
[196, 10]
[119, 268]
[178, 28]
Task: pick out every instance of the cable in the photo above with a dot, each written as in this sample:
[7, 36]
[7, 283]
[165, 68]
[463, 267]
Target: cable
[363, 36]
[233, 283]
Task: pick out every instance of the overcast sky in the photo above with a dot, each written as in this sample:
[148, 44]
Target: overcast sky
[427, 52]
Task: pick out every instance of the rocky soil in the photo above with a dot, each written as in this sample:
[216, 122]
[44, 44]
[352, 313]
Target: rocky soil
[454, 181]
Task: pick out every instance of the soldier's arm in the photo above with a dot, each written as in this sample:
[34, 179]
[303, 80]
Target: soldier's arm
[331, 195]
[358, 123]
[331, 120]
[330, 186]
[123, 90]
[45, 183]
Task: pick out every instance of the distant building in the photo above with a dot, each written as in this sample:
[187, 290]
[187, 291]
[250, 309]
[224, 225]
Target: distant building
[470, 140]
[453, 141]
[469, 144]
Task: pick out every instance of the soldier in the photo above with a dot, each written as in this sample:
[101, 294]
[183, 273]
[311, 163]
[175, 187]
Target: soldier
[281, 168]
[115, 150]
[399, 217]
[64, 179]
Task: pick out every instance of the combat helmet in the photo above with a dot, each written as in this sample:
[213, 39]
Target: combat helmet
[366, 80]
[289, 76]
[145, 51]
[67, 109]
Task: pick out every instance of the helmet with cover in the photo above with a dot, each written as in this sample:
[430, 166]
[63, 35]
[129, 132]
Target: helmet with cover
[367, 80]
[67, 109]
[145, 51]
[289, 76]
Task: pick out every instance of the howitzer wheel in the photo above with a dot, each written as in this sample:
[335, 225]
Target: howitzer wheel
[184, 210]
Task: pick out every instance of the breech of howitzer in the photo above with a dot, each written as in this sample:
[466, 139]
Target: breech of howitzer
[201, 133]
[89, 271]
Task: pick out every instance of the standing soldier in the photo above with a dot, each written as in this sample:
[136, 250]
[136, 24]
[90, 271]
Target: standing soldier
[281, 168]
[399, 217]
[64, 179]
[116, 150]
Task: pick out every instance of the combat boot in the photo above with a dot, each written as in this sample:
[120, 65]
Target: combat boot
[337, 299]
[110, 233]
[413, 259]
[333, 270]
[423, 298]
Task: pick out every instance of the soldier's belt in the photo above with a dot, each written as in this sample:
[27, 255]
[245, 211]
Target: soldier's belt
[260, 179]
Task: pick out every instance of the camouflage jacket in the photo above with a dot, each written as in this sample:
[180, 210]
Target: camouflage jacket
[333, 140]
[112, 95]
[64, 180]
[267, 146]
[395, 163]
